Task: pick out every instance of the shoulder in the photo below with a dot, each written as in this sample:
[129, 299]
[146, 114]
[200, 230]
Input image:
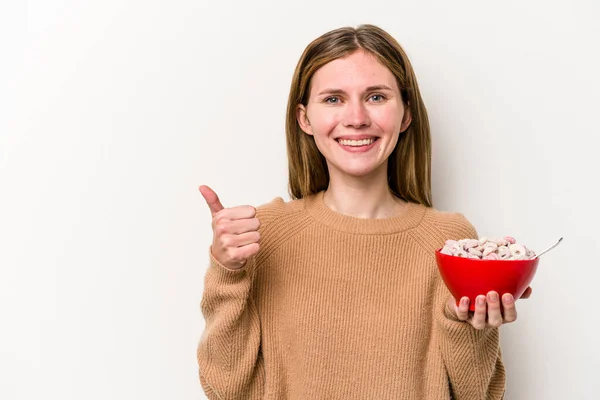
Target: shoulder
[453, 225]
[438, 226]
[278, 208]
[280, 220]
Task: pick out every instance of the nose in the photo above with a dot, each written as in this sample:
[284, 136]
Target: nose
[356, 115]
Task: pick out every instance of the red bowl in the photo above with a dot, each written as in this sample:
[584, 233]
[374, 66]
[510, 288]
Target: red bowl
[471, 277]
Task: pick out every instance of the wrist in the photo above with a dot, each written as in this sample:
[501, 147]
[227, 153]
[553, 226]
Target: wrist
[450, 309]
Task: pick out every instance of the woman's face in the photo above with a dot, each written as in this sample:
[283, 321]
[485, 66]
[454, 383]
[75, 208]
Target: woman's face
[355, 114]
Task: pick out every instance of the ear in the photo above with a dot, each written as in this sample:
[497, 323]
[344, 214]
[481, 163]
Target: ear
[406, 119]
[302, 118]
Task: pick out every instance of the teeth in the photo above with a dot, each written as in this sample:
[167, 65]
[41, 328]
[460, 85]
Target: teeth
[362, 142]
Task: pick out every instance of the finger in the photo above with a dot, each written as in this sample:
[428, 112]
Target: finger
[478, 321]
[493, 309]
[233, 241]
[243, 253]
[462, 311]
[527, 293]
[237, 226]
[211, 199]
[234, 213]
[510, 310]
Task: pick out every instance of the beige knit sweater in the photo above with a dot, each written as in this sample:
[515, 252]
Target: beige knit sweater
[339, 307]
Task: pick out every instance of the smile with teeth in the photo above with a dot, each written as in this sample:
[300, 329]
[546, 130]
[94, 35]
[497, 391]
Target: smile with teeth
[356, 143]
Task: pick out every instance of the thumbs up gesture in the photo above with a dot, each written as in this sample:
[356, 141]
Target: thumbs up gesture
[235, 231]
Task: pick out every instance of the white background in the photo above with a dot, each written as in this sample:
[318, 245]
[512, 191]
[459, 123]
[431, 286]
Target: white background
[113, 112]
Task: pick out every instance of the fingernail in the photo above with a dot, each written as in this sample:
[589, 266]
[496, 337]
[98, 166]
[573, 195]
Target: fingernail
[508, 298]
[494, 297]
[464, 301]
[481, 300]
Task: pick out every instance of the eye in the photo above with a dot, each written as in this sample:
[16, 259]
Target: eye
[377, 98]
[332, 100]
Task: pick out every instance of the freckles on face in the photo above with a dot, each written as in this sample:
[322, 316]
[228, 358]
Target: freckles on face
[355, 111]
[354, 93]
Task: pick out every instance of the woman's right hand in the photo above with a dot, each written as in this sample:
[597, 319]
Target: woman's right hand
[235, 231]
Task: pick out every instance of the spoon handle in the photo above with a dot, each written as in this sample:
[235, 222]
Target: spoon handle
[549, 248]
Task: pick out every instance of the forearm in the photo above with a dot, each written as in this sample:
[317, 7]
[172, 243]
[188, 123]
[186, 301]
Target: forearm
[472, 357]
[229, 356]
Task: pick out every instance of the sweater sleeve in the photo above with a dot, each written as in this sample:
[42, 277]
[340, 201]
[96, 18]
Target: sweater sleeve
[472, 357]
[229, 356]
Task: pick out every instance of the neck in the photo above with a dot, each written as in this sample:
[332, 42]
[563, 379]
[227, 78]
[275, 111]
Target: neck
[362, 197]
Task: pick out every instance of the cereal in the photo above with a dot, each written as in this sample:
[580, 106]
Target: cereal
[501, 242]
[469, 244]
[502, 248]
[476, 252]
[504, 252]
[517, 250]
[491, 256]
[488, 250]
[491, 245]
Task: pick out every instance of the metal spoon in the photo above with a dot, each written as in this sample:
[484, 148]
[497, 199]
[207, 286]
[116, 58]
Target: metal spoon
[549, 248]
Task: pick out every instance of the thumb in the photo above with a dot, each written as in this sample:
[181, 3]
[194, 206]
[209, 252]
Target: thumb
[211, 199]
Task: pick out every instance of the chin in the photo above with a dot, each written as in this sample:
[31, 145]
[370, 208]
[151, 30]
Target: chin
[358, 171]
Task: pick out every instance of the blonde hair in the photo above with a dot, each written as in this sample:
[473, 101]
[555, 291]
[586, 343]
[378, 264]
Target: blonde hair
[409, 165]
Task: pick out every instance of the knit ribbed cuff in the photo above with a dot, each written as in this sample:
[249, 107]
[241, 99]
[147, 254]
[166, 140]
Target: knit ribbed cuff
[226, 275]
[449, 312]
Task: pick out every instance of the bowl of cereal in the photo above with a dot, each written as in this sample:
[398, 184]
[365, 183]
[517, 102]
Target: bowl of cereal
[472, 267]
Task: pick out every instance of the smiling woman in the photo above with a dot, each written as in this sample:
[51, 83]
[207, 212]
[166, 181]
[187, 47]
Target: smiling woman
[358, 84]
[364, 117]
[336, 294]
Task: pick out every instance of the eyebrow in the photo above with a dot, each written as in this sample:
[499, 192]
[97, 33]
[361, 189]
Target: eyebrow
[369, 89]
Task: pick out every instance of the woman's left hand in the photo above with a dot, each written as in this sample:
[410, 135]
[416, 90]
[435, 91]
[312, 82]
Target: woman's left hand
[490, 310]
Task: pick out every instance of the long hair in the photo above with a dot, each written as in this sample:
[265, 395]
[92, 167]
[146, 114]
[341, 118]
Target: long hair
[409, 164]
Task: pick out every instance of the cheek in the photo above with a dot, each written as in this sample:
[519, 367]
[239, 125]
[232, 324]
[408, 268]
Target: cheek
[324, 123]
[388, 119]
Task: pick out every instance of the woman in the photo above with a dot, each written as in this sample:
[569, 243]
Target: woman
[342, 298]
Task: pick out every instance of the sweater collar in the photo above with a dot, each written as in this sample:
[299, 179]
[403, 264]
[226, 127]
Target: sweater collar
[409, 218]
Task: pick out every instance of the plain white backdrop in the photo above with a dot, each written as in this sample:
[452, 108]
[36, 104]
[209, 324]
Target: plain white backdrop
[113, 112]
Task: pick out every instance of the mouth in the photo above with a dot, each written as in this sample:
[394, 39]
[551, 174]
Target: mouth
[357, 142]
